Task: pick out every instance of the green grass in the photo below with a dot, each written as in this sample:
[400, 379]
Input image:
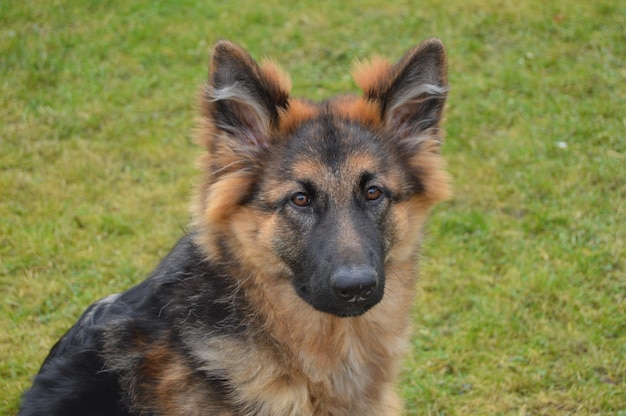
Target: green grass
[522, 301]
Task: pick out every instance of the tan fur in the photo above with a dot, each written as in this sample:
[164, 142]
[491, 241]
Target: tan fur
[358, 109]
[332, 363]
[367, 74]
[298, 111]
[173, 386]
[272, 71]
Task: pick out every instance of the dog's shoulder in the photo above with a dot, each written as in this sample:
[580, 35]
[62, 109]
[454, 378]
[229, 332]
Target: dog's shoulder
[110, 340]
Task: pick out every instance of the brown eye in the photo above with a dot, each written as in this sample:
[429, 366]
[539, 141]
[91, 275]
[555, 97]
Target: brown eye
[301, 199]
[373, 193]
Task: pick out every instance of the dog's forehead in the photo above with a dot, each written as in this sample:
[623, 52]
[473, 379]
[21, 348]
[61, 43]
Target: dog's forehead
[335, 148]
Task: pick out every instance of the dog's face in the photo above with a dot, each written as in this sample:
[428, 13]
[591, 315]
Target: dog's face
[323, 195]
[334, 213]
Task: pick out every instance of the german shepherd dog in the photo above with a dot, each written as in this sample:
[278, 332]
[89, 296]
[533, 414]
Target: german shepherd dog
[291, 292]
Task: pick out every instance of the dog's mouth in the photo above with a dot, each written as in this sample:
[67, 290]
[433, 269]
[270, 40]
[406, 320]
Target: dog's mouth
[353, 313]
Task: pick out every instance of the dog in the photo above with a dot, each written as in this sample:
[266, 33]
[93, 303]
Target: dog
[291, 292]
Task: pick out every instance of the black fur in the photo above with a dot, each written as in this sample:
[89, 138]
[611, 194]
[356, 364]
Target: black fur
[76, 377]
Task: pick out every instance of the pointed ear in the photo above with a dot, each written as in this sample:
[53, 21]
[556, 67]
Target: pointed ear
[410, 94]
[242, 98]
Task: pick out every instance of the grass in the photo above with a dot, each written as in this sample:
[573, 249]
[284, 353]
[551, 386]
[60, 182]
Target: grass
[522, 301]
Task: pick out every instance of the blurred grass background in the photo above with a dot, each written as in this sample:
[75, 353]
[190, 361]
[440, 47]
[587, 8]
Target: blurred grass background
[522, 301]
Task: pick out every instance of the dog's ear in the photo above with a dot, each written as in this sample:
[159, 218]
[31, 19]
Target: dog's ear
[410, 94]
[243, 99]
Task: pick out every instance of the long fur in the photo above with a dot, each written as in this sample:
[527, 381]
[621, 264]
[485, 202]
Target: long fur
[255, 311]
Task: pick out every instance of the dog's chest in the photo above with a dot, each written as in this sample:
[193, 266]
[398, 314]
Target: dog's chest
[262, 381]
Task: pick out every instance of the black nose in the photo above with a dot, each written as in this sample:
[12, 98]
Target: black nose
[354, 284]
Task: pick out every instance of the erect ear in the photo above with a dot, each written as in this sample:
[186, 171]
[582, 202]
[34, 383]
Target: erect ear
[242, 98]
[410, 94]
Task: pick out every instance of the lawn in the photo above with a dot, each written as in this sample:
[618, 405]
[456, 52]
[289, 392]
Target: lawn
[521, 308]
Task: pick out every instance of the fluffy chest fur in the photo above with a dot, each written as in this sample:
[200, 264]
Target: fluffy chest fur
[313, 364]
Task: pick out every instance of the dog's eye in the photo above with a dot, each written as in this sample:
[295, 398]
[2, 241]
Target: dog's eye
[301, 199]
[373, 193]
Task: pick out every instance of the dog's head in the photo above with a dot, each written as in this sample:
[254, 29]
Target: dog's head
[324, 196]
